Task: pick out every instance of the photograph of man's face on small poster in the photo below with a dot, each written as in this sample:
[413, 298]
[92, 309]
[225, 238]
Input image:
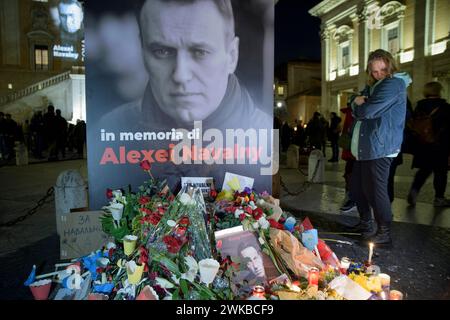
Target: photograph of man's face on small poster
[184, 84]
[255, 266]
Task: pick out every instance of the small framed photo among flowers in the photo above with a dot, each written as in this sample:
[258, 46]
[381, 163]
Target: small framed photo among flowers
[250, 264]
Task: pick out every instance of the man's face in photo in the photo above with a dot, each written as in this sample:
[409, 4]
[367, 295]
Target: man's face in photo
[255, 262]
[188, 56]
[71, 16]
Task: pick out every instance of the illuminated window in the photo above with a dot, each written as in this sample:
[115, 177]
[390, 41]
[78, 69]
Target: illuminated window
[280, 90]
[41, 57]
[393, 40]
[345, 56]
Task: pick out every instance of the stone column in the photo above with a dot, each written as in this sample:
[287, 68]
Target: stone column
[420, 70]
[363, 48]
[325, 37]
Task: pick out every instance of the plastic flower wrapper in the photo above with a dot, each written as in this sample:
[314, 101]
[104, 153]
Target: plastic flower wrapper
[188, 203]
[31, 277]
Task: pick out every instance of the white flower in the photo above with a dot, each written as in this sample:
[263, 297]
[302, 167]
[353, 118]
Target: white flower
[238, 212]
[117, 194]
[255, 225]
[171, 223]
[191, 263]
[252, 205]
[131, 266]
[264, 223]
[193, 269]
[163, 283]
[130, 237]
[102, 262]
[208, 270]
[185, 199]
[175, 279]
[116, 210]
[111, 245]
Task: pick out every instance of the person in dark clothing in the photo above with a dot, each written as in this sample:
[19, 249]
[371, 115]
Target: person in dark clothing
[349, 204]
[285, 136]
[314, 131]
[71, 137]
[37, 129]
[377, 136]
[324, 133]
[333, 136]
[432, 157]
[10, 135]
[2, 136]
[61, 139]
[399, 159]
[51, 132]
[80, 136]
[299, 134]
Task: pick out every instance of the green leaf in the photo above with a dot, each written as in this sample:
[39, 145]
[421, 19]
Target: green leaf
[176, 295]
[184, 288]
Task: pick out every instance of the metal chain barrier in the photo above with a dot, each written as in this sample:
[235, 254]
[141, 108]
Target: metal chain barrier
[305, 185]
[32, 211]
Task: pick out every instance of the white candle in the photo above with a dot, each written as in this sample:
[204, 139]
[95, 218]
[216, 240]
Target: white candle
[370, 252]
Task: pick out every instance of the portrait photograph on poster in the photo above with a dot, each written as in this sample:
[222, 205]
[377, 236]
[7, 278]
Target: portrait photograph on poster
[185, 89]
[243, 246]
[68, 21]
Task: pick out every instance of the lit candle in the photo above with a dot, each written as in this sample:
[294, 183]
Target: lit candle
[313, 277]
[345, 264]
[395, 295]
[295, 286]
[370, 253]
[258, 292]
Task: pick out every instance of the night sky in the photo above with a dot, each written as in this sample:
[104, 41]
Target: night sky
[296, 31]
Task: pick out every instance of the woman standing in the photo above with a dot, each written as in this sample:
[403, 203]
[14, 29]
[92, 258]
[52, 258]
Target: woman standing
[377, 135]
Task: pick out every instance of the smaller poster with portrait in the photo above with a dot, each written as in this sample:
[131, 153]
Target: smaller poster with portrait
[243, 246]
[68, 20]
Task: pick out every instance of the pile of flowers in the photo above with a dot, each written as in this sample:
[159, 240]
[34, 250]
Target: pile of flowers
[163, 247]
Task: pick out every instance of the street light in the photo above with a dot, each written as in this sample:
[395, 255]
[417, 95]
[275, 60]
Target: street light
[279, 104]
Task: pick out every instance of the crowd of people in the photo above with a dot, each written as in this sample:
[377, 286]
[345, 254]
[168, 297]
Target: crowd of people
[313, 135]
[379, 125]
[47, 135]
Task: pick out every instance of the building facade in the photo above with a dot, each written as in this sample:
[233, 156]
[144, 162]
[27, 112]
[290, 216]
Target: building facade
[297, 90]
[35, 58]
[416, 32]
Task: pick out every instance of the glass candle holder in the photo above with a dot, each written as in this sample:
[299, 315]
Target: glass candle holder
[345, 264]
[395, 295]
[258, 292]
[313, 277]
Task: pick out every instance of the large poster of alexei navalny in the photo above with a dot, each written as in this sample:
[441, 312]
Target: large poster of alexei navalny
[184, 84]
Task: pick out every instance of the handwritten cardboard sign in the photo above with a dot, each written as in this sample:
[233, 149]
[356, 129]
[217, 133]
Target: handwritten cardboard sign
[81, 233]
